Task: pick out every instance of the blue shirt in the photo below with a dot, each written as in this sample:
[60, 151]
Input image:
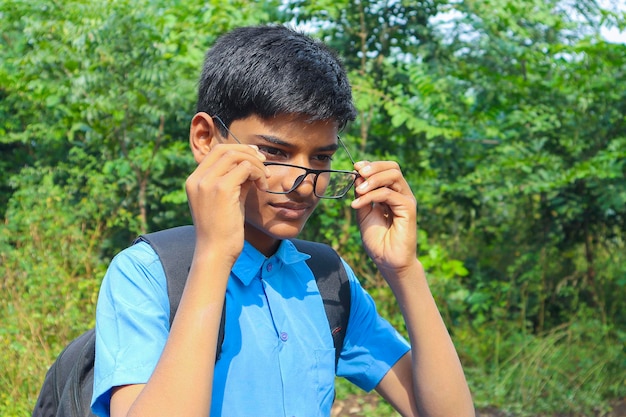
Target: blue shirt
[277, 357]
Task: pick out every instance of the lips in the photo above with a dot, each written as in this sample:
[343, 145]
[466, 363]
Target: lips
[291, 210]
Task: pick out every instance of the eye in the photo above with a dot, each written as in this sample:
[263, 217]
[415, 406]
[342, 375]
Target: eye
[321, 161]
[324, 158]
[272, 153]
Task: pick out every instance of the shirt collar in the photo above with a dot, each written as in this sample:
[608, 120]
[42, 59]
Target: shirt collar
[250, 261]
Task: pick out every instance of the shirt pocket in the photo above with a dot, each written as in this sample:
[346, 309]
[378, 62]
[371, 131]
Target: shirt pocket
[325, 367]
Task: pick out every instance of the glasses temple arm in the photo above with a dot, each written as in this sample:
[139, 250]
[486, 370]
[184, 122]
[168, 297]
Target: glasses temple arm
[227, 129]
[343, 145]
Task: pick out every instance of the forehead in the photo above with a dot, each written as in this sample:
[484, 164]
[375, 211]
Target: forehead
[289, 130]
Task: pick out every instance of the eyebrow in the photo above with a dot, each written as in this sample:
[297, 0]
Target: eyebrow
[277, 141]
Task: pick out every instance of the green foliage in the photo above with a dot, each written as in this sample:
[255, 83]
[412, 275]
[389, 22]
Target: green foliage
[506, 118]
[552, 187]
[98, 79]
[94, 109]
[575, 367]
[50, 268]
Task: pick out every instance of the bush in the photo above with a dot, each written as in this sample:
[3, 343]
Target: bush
[577, 368]
[50, 271]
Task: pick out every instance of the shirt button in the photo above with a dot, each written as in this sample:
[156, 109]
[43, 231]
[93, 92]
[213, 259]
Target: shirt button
[269, 267]
[284, 336]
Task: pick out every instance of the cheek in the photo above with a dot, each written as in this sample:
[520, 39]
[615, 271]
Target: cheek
[254, 201]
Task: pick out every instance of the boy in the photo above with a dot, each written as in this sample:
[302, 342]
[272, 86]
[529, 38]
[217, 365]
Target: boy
[271, 102]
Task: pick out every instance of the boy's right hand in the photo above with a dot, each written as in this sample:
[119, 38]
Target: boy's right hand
[217, 190]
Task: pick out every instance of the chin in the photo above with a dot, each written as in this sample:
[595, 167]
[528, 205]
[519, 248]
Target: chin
[269, 234]
[285, 231]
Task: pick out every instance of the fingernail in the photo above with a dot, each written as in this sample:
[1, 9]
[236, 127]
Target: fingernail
[362, 186]
[258, 153]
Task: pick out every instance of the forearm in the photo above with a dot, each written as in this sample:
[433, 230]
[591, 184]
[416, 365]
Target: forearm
[182, 380]
[439, 383]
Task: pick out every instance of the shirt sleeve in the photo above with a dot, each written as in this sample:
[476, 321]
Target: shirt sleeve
[132, 323]
[371, 346]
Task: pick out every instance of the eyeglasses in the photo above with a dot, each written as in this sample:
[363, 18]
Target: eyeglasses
[327, 183]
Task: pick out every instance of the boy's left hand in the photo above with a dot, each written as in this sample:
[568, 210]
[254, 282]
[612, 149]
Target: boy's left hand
[386, 214]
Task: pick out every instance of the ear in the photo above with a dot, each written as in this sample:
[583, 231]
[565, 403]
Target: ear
[203, 134]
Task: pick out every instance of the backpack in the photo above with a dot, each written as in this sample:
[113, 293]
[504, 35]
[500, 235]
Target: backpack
[68, 385]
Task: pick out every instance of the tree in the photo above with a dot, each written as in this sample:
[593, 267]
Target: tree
[506, 117]
[540, 88]
[95, 101]
[100, 79]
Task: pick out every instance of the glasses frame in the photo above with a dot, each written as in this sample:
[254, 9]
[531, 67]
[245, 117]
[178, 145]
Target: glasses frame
[316, 173]
[309, 171]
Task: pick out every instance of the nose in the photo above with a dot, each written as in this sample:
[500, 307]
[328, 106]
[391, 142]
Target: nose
[302, 184]
[298, 181]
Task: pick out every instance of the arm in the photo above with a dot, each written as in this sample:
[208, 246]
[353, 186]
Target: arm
[429, 380]
[181, 383]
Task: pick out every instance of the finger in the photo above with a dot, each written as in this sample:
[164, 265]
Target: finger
[387, 201]
[225, 175]
[233, 154]
[240, 175]
[368, 168]
[381, 174]
[228, 163]
[220, 162]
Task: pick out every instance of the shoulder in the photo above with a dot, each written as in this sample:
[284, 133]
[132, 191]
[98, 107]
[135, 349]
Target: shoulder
[137, 256]
[140, 252]
[137, 266]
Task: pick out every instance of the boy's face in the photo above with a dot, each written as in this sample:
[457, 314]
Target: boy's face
[287, 139]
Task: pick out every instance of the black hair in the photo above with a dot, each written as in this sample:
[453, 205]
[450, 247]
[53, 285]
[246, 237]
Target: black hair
[269, 70]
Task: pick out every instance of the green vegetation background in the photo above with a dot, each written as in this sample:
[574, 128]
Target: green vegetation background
[506, 116]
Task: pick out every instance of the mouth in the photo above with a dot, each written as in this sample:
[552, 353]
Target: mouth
[291, 210]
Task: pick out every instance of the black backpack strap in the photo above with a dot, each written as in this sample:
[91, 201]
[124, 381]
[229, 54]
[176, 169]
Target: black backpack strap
[334, 286]
[175, 249]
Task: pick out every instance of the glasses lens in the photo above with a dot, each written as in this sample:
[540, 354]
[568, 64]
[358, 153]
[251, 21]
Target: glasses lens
[285, 178]
[329, 184]
[334, 184]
